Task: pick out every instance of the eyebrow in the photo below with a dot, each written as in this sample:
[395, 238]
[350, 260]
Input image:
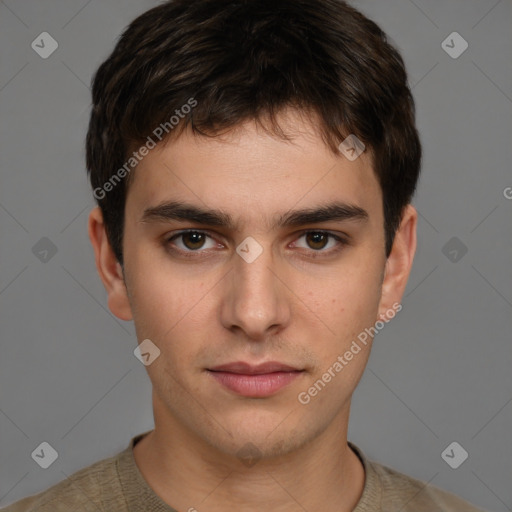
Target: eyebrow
[182, 211]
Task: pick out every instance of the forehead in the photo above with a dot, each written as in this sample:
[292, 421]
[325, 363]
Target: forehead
[254, 174]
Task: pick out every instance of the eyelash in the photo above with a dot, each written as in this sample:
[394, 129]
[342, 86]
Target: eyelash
[314, 253]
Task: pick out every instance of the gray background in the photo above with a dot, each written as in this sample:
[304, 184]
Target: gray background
[439, 373]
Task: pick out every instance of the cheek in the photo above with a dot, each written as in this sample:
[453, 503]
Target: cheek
[349, 298]
[171, 310]
[347, 306]
[162, 298]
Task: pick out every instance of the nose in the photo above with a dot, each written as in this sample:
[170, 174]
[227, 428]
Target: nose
[255, 298]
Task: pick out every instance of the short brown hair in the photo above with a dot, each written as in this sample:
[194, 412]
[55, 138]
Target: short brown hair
[248, 59]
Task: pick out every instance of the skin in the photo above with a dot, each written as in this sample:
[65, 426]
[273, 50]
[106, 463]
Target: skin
[214, 308]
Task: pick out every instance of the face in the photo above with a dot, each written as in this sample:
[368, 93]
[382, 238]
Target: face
[253, 304]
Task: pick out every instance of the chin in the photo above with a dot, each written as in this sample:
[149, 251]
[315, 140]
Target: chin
[261, 438]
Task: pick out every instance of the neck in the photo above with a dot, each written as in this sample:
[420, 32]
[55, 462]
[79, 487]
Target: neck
[189, 474]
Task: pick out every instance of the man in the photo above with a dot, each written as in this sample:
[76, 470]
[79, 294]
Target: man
[254, 163]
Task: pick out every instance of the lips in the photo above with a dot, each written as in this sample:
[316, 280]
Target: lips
[255, 381]
[248, 369]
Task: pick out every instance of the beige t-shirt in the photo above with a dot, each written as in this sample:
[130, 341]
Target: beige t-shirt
[116, 485]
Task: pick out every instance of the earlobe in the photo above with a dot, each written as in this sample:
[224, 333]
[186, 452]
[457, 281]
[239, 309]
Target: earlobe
[109, 268]
[399, 262]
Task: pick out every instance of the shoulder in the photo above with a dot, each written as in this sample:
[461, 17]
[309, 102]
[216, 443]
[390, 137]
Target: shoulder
[94, 488]
[412, 495]
[388, 490]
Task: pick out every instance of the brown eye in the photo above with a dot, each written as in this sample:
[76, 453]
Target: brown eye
[191, 244]
[193, 240]
[320, 243]
[317, 240]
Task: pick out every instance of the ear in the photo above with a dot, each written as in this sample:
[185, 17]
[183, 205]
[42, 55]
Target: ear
[109, 269]
[399, 262]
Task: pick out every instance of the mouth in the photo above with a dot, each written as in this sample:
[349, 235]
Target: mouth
[255, 381]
